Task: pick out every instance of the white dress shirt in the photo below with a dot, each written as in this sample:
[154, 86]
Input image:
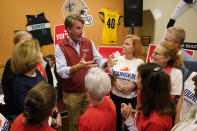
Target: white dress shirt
[61, 64]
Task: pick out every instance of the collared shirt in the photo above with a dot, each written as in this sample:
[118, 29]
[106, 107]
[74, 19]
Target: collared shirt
[54, 77]
[61, 64]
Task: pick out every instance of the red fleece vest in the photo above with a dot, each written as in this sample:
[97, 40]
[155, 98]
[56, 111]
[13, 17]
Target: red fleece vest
[76, 82]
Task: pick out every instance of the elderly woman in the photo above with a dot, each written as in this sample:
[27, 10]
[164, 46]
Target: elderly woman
[101, 112]
[166, 55]
[39, 105]
[156, 104]
[124, 74]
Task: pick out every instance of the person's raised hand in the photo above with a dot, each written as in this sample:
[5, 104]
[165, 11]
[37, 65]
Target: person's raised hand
[131, 110]
[124, 110]
[111, 61]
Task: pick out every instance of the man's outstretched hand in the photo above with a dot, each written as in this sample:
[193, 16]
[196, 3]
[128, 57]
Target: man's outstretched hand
[85, 65]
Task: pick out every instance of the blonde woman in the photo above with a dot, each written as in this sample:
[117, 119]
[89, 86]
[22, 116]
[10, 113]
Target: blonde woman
[25, 58]
[124, 74]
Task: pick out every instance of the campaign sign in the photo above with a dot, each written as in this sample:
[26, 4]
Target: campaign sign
[149, 54]
[59, 33]
[189, 45]
[153, 46]
[105, 51]
[190, 52]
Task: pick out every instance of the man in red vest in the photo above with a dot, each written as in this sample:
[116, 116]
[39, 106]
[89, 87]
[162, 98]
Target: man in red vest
[75, 54]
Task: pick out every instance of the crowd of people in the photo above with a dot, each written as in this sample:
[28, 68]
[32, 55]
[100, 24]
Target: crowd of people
[142, 96]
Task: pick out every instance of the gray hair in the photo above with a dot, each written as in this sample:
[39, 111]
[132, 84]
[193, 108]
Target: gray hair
[98, 83]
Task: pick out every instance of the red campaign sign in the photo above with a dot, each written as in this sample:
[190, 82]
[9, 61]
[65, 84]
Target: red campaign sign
[59, 33]
[153, 46]
[190, 52]
[149, 54]
[105, 51]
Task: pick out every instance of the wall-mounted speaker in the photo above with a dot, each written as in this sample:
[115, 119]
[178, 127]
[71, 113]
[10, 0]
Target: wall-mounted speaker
[133, 10]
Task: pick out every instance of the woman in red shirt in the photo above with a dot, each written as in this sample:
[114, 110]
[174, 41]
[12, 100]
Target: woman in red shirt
[39, 105]
[156, 107]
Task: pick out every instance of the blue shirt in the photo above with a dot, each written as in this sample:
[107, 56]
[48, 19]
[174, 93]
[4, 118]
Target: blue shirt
[22, 85]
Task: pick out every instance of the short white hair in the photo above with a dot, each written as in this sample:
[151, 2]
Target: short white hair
[98, 83]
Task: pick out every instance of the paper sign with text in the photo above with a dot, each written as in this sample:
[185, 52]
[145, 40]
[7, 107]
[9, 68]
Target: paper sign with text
[59, 33]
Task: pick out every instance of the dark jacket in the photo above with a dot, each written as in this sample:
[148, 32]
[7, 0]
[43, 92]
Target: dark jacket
[50, 76]
[7, 82]
[50, 80]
